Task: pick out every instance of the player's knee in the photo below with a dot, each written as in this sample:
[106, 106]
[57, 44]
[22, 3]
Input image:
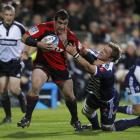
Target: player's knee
[107, 127]
[70, 97]
[35, 90]
[15, 90]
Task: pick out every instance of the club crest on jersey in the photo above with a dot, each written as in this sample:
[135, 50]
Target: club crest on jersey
[106, 66]
[33, 30]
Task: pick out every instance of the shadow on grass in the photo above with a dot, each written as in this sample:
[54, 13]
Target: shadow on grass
[23, 135]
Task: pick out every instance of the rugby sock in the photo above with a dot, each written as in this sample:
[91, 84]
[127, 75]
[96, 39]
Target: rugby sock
[126, 109]
[31, 103]
[22, 102]
[94, 121]
[126, 123]
[20, 97]
[72, 106]
[5, 101]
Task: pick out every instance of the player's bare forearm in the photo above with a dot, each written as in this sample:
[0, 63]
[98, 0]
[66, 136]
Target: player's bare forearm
[88, 67]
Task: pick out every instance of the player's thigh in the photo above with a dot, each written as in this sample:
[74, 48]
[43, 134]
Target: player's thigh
[3, 84]
[14, 85]
[39, 77]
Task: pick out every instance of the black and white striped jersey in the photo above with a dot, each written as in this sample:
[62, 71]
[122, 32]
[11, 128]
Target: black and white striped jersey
[10, 41]
[93, 86]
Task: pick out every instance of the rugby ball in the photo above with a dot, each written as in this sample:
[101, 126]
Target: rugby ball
[51, 39]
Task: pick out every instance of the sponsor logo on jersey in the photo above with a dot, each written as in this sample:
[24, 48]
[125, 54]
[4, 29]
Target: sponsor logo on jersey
[106, 66]
[8, 42]
[33, 30]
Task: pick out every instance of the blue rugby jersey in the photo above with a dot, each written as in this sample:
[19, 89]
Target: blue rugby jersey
[131, 83]
[101, 84]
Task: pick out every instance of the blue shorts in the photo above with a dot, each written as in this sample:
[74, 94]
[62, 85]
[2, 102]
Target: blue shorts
[108, 109]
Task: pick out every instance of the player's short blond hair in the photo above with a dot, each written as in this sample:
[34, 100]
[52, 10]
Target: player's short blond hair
[116, 51]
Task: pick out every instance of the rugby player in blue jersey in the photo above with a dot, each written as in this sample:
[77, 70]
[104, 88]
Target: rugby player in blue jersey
[101, 92]
[132, 85]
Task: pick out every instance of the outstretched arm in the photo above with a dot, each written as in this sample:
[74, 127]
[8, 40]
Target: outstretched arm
[87, 66]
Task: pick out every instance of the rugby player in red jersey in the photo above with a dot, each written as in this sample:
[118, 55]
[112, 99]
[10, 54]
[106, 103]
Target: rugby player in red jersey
[51, 62]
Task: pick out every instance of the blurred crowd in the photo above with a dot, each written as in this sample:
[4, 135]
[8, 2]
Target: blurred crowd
[95, 22]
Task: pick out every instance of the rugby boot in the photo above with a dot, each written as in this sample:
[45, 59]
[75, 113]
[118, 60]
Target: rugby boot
[90, 127]
[6, 120]
[77, 126]
[24, 122]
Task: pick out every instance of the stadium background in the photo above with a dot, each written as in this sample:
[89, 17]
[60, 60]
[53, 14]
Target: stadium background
[95, 22]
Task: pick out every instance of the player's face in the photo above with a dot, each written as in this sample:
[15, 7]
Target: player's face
[105, 54]
[8, 17]
[61, 25]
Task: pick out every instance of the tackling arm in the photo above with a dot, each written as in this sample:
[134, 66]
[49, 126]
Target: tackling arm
[89, 55]
[87, 66]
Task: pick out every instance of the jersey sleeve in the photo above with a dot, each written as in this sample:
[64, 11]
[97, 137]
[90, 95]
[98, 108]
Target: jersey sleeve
[36, 31]
[104, 71]
[23, 30]
[138, 62]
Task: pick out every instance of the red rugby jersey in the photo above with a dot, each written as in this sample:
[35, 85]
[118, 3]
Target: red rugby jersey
[56, 60]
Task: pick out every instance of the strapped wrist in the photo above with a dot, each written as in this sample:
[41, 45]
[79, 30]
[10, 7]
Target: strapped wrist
[76, 55]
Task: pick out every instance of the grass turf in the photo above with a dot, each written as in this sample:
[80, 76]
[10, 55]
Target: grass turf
[53, 124]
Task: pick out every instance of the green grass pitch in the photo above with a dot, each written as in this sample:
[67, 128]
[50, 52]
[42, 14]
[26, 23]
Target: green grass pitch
[53, 124]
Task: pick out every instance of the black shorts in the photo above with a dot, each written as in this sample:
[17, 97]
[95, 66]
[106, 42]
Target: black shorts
[107, 109]
[57, 76]
[11, 68]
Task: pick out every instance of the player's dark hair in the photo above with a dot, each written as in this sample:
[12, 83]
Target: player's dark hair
[9, 8]
[116, 51]
[61, 14]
